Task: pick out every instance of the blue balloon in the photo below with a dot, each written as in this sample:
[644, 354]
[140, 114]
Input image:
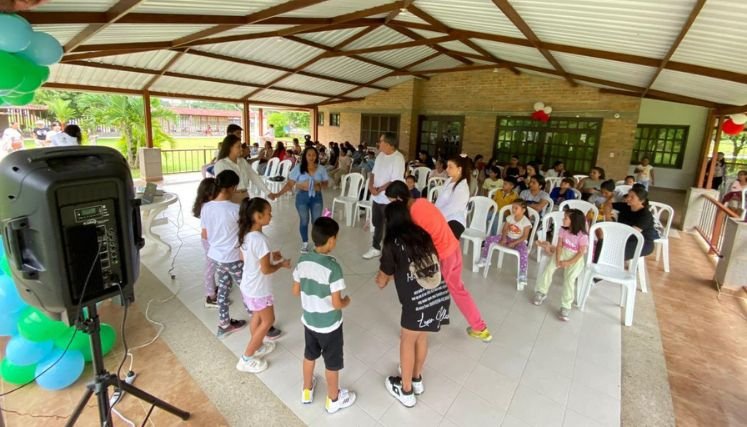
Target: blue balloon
[16, 33]
[63, 372]
[10, 301]
[9, 323]
[21, 351]
[43, 49]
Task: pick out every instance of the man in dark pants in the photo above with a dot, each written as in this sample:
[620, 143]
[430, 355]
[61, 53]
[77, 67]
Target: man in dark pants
[388, 167]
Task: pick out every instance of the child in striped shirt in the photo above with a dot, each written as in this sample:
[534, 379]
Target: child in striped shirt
[317, 279]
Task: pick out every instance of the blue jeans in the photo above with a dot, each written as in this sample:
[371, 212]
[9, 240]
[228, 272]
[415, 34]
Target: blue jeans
[306, 206]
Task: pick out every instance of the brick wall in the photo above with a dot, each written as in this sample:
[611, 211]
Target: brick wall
[481, 96]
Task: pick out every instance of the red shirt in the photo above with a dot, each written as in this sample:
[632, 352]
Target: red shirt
[429, 218]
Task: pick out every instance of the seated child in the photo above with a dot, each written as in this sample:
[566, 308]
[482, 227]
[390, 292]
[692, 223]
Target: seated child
[515, 233]
[317, 279]
[411, 181]
[629, 180]
[564, 192]
[492, 181]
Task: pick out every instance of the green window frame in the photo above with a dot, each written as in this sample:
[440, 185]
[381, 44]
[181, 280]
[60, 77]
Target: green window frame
[664, 145]
[334, 119]
[320, 118]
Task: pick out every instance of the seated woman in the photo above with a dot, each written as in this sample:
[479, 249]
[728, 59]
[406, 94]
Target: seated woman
[591, 186]
[343, 167]
[733, 198]
[424, 159]
[280, 152]
[635, 213]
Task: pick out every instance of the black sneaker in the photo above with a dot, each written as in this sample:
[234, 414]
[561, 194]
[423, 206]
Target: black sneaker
[394, 386]
[232, 327]
[273, 334]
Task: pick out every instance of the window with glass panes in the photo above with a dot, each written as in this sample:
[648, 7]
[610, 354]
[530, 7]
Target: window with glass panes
[574, 141]
[440, 136]
[373, 125]
[334, 119]
[320, 118]
[664, 145]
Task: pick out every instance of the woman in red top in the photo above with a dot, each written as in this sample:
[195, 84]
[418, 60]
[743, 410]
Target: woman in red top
[280, 152]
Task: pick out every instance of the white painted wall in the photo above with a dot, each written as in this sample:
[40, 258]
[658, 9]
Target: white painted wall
[670, 113]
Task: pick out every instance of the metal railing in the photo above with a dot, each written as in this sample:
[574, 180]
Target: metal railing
[180, 161]
[712, 223]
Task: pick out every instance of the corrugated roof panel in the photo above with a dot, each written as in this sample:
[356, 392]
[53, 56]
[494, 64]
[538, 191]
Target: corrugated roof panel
[401, 57]
[317, 85]
[76, 6]
[393, 81]
[481, 16]
[458, 46]
[279, 97]
[441, 61]
[133, 33]
[363, 92]
[379, 37]
[406, 16]
[621, 72]
[196, 87]
[702, 87]
[75, 74]
[275, 51]
[202, 7]
[331, 38]
[332, 8]
[252, 29]
[209, 67]
[154, 60]
[638, 27]
[348, 68]
[716, 38]
[514, 53]
[428, 34]
[62, 32]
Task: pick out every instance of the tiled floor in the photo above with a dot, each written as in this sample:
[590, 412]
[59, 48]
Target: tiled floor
[538, 371]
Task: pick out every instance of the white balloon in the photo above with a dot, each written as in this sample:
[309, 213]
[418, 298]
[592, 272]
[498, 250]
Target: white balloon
[739, 119]
[547, 110]
[538, 106]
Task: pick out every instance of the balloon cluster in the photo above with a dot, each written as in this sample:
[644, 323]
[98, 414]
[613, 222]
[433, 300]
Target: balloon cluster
[25, 57]
[38, 342]
[541, 113]
[734, 124]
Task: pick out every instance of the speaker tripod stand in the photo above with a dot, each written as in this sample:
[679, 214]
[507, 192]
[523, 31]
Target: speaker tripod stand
[103, 379]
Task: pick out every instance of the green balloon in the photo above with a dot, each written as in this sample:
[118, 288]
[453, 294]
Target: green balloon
[19, 99]
[37, 326]
[32, 75]
[5, 266]
[43, 73]
[108, 337]
[16, 374]
[80, 342]
[12, 74]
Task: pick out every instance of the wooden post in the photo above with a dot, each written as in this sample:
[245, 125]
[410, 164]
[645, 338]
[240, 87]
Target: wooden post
[148, 120]
[261, 125]
[315, 124]
[714, 154]
[707, 137]
[246, 123]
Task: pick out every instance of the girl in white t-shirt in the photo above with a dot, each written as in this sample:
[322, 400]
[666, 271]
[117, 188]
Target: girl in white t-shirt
[514, 235]
[453, 198]
[206, 193]
[219, 223]
[644, 173]
[259, 263]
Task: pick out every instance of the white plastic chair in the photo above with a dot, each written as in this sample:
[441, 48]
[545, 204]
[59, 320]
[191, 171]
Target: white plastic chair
[581, 205]
[421, 175]
[433, 193]
[552, 182]
[622, 190]
[283, 169]
[577, 193]
[662, 243]
[482, 211]
[503, 250]
[579, 178]
[556, 219]
[610, 265]
[349, 193]
[272, 167]
[744, 204]
[366, 204]
[491, 193]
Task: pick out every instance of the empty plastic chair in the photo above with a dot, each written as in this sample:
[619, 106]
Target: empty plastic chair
[421, 176]
[366, 204]
[349, 194]
[583, 206]
[482, 211]
[662, 243]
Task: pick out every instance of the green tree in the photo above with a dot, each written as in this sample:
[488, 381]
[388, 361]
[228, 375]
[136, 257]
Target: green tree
[127, 114]
[739, 142]
[61, 109]
[299, 120]
[280, 121]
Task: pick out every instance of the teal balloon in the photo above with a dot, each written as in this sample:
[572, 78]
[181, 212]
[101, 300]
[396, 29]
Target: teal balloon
[5, 268]
[62, 369]
[21, 351]
[34, 325]
[12, 74]
[9, 323]
[43, 49]
[16, 374]
[16, 33]
[10, 300]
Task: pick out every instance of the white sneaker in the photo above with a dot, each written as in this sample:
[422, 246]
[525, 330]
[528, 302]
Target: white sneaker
[345, 398]
[253, 365]
[304, 247]
[394, 386]
[266, 348]
[482, 263]
[307, 395]
[372, 253]
[417, 385]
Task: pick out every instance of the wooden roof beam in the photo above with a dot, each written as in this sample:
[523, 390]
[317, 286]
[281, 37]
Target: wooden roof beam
[114, 13]
[519, 22]
[403, 45]
[164, 69]
[663, 96]
[393, 14]
[415, 36]
[683, 32]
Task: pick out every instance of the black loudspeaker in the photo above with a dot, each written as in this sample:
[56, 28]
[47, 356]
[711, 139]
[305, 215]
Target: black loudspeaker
[70, 221]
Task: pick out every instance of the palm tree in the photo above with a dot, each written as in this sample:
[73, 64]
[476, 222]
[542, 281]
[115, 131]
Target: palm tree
[127, 114]
[60, 109]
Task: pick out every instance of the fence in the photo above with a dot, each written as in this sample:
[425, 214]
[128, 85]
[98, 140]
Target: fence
[712, 223]
[180, 161]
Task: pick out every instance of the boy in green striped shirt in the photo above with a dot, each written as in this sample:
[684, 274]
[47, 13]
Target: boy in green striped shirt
[317, 279]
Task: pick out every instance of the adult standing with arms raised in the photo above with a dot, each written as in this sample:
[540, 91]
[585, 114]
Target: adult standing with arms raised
[309, 178]
[389, 166]
[229, 158]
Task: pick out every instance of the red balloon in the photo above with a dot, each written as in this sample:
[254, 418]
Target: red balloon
[540, 116]
[731, 128]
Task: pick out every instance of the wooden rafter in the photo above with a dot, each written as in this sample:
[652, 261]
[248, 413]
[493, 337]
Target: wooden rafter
[112, 15]
[683, 32]
[519, 22]
[415, 36]
[395, 46]
[164, 69]
[393, 14]
[732, 109]
[663, 96]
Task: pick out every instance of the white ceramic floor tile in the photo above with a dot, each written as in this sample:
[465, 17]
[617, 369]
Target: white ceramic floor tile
[504, 360]
[593, 404]
[535, 409]
[421, 415]
[494, 388]
[470, 410]
[574, 419]
[440, 391]
[372, 395]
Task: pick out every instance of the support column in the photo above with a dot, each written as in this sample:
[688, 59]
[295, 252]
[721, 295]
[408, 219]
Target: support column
[315, 124]
[148, 120]
[703, 159]
[714, 154]
[261, 125]
[246, 123]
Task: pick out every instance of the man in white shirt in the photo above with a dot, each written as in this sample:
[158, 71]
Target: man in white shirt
[12, 138]
[270, 134]
[388, 167]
